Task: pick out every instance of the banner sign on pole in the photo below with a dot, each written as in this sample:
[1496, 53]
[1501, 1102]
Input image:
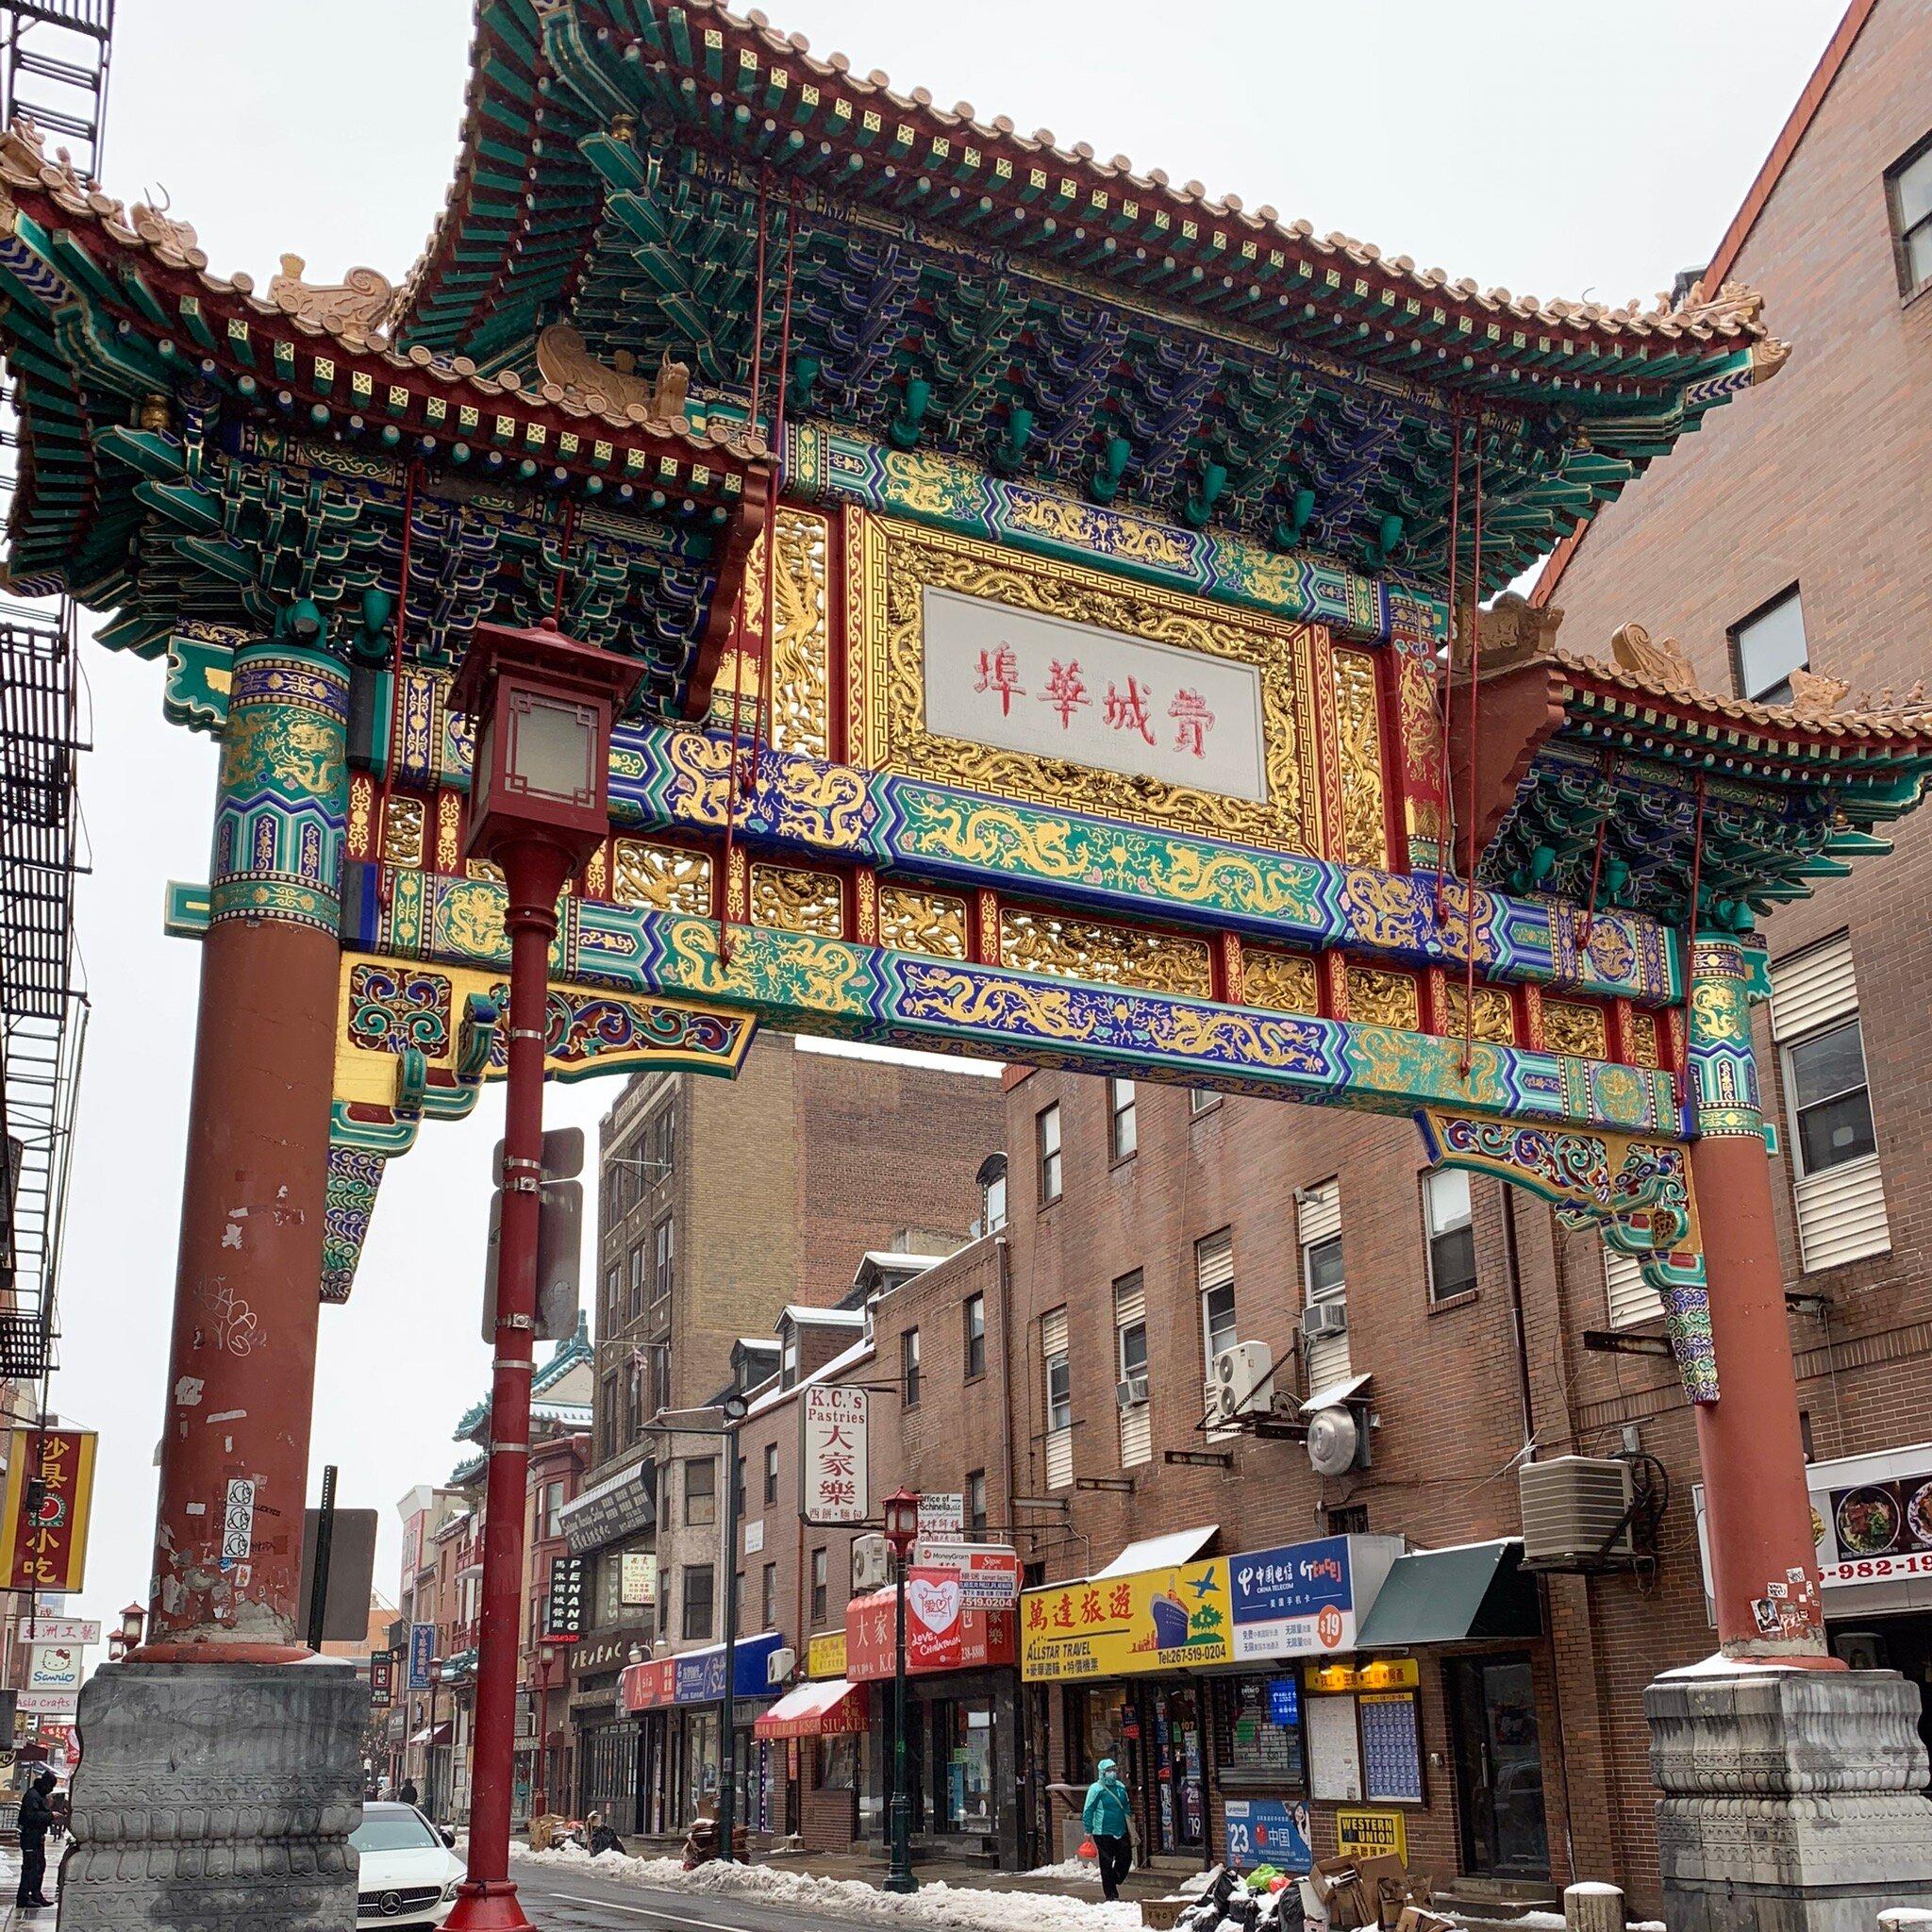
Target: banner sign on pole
[381, 1680]
[834, 1484]
[563, 1607]
[43, 1514]
[421, 1654]
[79, 1630]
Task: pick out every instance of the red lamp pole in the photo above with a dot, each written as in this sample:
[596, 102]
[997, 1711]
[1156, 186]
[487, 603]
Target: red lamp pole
[539, 804]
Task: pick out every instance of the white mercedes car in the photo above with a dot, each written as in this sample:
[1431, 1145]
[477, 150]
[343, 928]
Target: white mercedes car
[409, 1873]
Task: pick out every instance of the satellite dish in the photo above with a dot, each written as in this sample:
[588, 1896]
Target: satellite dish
[1333, 1440]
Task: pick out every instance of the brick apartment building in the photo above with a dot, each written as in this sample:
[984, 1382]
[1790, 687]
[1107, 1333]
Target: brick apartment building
[722, 1205]
[1796, 537]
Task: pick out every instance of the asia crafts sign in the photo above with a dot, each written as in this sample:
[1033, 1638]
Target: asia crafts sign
[49, 1493]
[1296, 1601]
[834, 1485]
[1116, 1627]
[942, 1631]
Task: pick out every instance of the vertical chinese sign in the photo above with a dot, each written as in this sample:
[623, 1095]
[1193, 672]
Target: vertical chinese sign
[50, 1486]
[833, 1476]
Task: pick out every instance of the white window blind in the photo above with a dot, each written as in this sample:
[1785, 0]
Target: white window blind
[1630, 1297]
[1318, 1219]
[1137, 1419]
[1214, 1260]
[1318, 1215]
[1052, 1333]
[1129, 1303]
[1059, 1442]
[1840, 1209]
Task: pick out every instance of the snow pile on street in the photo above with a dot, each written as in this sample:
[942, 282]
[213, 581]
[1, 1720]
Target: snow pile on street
[936, 1904]
[1069, 1870]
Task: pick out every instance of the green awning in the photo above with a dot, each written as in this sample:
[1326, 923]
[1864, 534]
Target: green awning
[1453, 1596]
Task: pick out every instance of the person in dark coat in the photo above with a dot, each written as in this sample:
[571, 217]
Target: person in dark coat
[407, 1792]
[36, 1816]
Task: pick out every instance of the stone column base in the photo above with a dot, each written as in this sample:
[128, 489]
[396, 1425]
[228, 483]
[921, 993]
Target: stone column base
[1793, 1800]
[210, 1797]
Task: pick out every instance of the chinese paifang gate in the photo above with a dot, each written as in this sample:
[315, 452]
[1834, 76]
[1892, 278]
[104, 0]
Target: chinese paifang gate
[1055, 598]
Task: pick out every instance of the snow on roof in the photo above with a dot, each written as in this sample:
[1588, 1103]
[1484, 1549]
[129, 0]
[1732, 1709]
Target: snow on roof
[801, 1315]
[886, 1257]
[859, 1352]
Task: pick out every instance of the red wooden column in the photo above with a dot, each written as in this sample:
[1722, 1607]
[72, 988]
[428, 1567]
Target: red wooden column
[234, 1459]
[1758, 1509]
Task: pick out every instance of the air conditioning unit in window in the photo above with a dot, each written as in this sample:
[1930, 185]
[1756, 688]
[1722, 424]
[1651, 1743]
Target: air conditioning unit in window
[1322, 1320]
[1241, 1382]
[1130, 1392]
[1578, 1512]
[872, 1564]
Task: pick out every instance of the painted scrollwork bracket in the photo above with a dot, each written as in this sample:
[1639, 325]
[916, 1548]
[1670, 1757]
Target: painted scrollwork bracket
[1634, 1189]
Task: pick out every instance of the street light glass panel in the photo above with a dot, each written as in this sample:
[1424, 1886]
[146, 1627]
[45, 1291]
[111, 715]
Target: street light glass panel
[550, 749]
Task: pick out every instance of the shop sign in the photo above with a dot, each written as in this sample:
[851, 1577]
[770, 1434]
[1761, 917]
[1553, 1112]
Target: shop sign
[1266, 1831]
[79, 1630]
[989, 1573]
[64, 1704]
[600, 1653]
[1362, 1834]
[43, 1518]
[1115, 1627]
[651, 1686]
[382, 1678]
[1284, 1703]
[1296, 1601]
[421, 1654]
[563, 1607]
[637, 1578]
[942, 1515]
[1378, 1673]
[942, 1633]
[54, 1667]
[834, 1482]
[1878, 1530]
[824, 1655]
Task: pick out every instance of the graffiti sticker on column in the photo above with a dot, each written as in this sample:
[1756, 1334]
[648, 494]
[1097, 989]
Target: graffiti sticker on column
[1024, 682]
[238, 1522]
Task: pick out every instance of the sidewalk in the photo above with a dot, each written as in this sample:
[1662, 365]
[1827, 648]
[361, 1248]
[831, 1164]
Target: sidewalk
[15, 1918]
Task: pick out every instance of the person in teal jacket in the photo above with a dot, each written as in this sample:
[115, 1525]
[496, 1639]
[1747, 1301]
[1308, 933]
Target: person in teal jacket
[1105, 1816]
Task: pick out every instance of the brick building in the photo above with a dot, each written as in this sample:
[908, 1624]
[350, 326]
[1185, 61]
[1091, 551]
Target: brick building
[723, 1207]
[1787, 540]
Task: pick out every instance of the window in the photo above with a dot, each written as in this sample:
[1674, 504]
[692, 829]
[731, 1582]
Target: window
[666, 1239]
[662, 1135]
[700, 1493]
[1123, 1134]
[1767, 646]
[768, 1598]
[613, 1295]
[820, 1589]
[1322, 1269]
[1352, 1518]
[1451, 1239]
[771, 1473]
[1908, 189]
[908, 1365]
[737, 1488]
[1214, 1277]
[1318, 1230]
[1200, 1099]
[1060, 1399]
[1060, 1392]
[974, 1318]
[993, 1192]
[1130, 1371]
[1831, 1105]
[637, 1283]
[697, 1600]
[606, 1413]
[1046, 1130]
[975, 1504]
[553, 1510]
[1837, 1185]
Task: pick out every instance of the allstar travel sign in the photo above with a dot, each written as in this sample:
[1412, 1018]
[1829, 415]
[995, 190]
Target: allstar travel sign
[1117, 1627]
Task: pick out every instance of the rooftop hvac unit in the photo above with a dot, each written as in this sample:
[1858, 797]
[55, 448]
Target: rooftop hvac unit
[1241, 1382]
[872, 1566]
[1577, 1512]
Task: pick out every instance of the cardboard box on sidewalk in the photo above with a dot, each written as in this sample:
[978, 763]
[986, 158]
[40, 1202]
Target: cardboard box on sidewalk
[1420, 1919]
[1362, 1891]
[1161, 1913]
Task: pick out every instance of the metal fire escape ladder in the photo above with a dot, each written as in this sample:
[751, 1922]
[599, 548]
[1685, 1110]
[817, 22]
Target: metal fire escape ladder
[54, 69]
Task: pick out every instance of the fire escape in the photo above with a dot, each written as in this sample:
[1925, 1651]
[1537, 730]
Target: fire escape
[53, 70]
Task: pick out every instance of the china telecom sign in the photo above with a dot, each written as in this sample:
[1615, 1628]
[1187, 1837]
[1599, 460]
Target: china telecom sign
[833, 1476]
[1297, 1601]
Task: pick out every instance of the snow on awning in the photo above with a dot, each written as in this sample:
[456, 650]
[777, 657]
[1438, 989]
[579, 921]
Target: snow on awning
[1161, 1552]
[432, 1734]
[828, 1707]
[1335, 1395]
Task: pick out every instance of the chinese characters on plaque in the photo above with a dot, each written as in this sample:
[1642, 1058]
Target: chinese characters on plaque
[1021, 682]
[833, 1486]
[50, 1484]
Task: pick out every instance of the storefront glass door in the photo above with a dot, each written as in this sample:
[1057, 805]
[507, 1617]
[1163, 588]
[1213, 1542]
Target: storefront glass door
[1499, 1768]
[1180, 1798]
[962, 1739]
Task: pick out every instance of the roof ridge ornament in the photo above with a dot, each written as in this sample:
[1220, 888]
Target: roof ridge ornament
[1816, 697]
[565, 358]
[353, 309]
[1657, 661]
[1512, 631]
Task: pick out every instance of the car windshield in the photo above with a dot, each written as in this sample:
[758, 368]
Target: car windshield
[393, 1829]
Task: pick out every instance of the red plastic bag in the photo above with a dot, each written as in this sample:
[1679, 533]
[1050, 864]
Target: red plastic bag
[1088, 1849]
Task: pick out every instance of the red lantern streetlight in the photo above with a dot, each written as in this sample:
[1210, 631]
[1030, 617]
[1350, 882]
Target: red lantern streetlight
[902, 1532]
[542, 709]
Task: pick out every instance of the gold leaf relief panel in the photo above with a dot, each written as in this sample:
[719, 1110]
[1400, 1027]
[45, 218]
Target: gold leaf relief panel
[801, 656]
[1115, 955]
[1285, 981]
[899, 562]
[449, 821]
[1640, 1032]
[1384, 999]
[1496, 1017]
[1359, 744]
[796, 900]
[403, 821]
[667, 878]
[912, 921]
[1576, 1029]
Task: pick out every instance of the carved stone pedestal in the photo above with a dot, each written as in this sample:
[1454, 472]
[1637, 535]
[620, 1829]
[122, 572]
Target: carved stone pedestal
[212, 1797]
[1793, 1799]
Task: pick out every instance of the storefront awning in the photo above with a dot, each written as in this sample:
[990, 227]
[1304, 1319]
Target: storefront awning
[621, 1505]
[828, 1708]
[1159, 1552]
[432, 1734]
[1448, 1596]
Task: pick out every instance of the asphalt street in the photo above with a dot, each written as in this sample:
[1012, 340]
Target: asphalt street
[578, 1902]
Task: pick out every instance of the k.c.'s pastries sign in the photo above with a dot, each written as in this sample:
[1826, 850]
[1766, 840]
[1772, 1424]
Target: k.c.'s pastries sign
[1025, 682]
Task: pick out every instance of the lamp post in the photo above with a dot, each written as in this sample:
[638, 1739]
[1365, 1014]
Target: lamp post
[902, 1532]
[542, 708]
[546, 1657]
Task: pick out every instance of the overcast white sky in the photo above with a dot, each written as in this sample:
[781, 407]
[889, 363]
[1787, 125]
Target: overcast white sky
[1559, 151]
